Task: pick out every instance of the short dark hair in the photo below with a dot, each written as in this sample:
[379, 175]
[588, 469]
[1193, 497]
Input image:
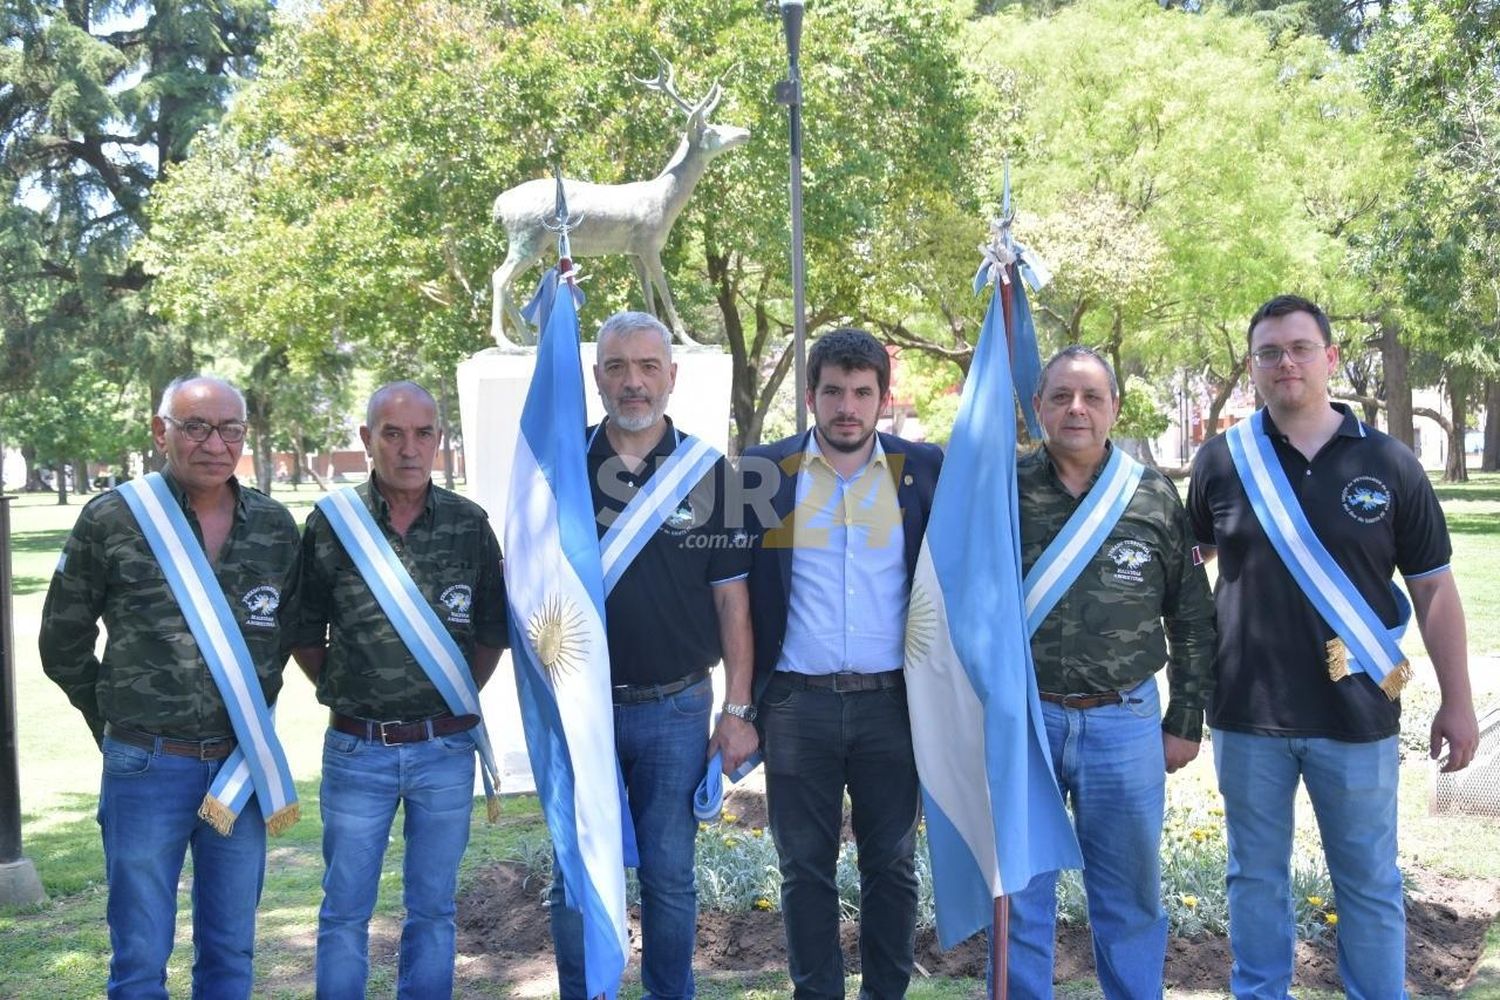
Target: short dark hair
[1078, 352]
[852, 350]
[1285, 305]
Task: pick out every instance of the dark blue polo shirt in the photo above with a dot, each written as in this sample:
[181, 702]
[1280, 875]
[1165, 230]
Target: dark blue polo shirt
[1272, 668]
[660, 618]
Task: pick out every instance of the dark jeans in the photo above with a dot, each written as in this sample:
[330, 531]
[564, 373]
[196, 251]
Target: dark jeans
[662, 745]
[817, 743]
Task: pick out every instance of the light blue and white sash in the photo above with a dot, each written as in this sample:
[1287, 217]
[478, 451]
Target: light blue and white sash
[708, 797]
[1364, 643]
[649, 509]
[257, 765]
[1064, 559]
[424, 634]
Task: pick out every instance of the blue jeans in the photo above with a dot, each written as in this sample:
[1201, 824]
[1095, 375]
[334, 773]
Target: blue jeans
[1111, 769]
[148, 814]
[663, 746]
[1353, 791]
[817, 743]
[362, 784]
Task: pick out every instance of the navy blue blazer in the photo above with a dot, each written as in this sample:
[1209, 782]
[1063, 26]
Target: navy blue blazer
[913, 465]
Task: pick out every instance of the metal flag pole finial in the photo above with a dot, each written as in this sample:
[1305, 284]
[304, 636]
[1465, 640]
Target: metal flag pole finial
[560, 223]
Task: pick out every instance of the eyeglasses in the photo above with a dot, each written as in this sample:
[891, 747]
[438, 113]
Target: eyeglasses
[1301, 353]
[230, 431]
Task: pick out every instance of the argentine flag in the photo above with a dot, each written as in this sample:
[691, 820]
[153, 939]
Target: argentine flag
[995, 818]
[556, 590]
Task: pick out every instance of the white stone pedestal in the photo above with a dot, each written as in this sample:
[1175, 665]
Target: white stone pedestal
[491, 393]
[19, 884]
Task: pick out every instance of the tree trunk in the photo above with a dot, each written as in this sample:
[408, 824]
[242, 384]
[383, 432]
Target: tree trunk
[1490, 459]
[34, 482]
[1395, 361]
[81, 484]
[447, 432]
[1457, 468]
[297, 456]
[60, 470]
[258, 416]
[1216, 406]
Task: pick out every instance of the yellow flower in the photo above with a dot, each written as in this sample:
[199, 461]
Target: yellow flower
[703, 826]
[1314, 900]
[1191, 902]
[762, 903]
[729, 841]
[1216, 811]
[1200, 835]
[730, 817]
[756, 831]
[1331, 919]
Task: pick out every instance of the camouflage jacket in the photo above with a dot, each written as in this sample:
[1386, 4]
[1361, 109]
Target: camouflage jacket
[151, 677]
[1143, 592]
[453, 556]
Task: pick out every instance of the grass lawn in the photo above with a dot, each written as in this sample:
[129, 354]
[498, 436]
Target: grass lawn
[60, 949]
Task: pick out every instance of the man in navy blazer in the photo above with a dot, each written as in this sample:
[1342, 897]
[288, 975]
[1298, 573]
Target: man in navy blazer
[830, 576]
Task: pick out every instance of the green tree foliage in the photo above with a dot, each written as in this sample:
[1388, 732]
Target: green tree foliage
[367, 156]
[97, 102]
[1180, 170]
[1434, 75]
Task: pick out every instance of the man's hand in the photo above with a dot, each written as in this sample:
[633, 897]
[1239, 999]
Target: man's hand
[1456, 726]
[736, 738]
[1178, 751]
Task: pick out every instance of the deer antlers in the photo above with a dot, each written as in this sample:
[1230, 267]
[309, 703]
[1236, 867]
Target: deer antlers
[664, 82]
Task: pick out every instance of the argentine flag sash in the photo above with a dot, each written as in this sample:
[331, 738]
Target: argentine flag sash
[1064, 559]
[258, 765]
[649, 509]
[424, 634]
[1364, 644]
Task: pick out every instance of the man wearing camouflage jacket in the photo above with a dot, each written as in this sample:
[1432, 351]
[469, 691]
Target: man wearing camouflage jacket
[153, 706]
[1096, 654]
[392, 739]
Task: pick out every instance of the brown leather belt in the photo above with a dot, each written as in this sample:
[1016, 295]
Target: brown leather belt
[635, 694]
[396, 733]
[1083, 700]
[214, 749]
[844, 682]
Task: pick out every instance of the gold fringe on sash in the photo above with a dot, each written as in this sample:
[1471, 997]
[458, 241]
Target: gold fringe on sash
[1337, 655]
[282, 819]
[492, 808]
[217, 815]
[1396, 680]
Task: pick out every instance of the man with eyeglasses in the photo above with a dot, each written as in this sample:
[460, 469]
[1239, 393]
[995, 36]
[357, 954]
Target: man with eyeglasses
[174, 715]
[1310, 513]
[402, 590]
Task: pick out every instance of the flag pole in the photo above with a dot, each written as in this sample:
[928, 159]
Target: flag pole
[789, 93]
[561, 222]
[1000, 929]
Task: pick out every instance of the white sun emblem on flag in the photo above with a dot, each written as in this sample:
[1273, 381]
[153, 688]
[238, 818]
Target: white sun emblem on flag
[558, 636]
[921, 625]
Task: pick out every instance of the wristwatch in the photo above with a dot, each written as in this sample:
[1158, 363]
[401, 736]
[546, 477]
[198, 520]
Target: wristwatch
[746, 712]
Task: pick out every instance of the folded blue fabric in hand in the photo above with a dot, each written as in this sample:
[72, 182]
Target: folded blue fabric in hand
[708, 799]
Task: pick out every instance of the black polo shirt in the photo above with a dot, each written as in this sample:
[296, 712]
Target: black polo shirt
[660, 617]
[1272, 672]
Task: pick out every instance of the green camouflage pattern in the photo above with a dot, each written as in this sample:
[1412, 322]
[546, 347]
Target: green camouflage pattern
[151, 677]
[1144, 592]
[451, 553]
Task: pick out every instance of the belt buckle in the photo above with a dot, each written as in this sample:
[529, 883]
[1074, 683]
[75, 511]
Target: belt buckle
[838, 682]
[385, 739]
[1074, 700]
[204, 746]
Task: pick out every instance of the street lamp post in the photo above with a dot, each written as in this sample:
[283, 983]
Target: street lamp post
[19, 885]
[789, 92]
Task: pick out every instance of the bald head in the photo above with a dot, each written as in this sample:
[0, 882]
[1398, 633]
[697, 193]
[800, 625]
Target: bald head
[392, 391]
[197, 385]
